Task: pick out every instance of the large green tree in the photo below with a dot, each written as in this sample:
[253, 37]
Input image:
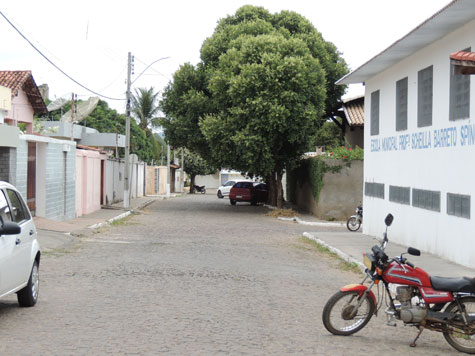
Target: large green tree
[266, 85]
[185, 101]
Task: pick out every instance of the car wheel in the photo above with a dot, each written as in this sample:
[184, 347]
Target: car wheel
[28, 296]
[232, 201]
[220, 195]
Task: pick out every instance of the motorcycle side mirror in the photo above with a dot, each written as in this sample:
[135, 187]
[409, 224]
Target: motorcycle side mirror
[413, 251]
[389, 220]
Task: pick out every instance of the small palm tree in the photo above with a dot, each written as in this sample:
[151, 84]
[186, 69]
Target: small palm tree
[145, 108]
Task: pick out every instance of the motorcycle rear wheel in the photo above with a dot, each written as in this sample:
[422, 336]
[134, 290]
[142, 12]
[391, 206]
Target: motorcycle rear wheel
[353, 223]
[341, 315]
[461, 337]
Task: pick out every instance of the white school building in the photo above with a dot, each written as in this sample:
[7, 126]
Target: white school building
[420, 135]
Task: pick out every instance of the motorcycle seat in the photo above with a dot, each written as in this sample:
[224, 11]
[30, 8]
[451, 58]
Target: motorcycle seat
[448, 284]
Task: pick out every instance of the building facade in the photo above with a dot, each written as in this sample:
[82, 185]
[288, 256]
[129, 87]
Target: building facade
[420, 137]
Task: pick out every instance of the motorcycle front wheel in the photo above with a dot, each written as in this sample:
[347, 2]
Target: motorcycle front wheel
[342, 316]
[353, 223]
[460, 336]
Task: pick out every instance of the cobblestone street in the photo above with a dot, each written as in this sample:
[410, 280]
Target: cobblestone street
[194, 276]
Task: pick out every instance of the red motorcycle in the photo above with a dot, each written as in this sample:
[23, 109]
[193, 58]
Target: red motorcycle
[440, 304]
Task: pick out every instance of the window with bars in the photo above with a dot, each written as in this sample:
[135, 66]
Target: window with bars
[424, 96]
[459, 93]
[426, 199]
[375, 190]
[401, 195]
[374, 117]
[458, 205]
[401, 104]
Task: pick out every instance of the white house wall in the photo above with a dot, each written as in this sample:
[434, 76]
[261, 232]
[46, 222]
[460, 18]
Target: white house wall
[415, 157]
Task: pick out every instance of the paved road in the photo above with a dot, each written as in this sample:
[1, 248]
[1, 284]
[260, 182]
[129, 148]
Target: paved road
[193, 276]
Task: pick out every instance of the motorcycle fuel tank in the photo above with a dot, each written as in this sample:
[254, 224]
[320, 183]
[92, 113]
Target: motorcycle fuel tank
[408, 276]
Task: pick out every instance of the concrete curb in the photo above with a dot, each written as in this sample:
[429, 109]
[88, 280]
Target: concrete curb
[310, 223]
[120, 216]
[338, 252]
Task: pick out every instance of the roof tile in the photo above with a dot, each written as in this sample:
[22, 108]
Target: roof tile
[23, 79]
[463, 56]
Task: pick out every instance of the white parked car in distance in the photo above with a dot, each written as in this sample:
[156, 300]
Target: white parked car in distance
[223, 191]
[19, 248]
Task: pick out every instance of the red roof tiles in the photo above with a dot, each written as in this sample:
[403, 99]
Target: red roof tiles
[23, 79]
[463, 56]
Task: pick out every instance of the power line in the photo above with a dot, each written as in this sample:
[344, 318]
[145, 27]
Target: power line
[54, 65]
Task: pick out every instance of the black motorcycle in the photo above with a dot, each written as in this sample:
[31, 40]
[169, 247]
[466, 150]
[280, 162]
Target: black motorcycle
[355, 221]
[200, 189]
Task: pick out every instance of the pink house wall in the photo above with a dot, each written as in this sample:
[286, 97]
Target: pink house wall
[21, 111]
[88, 181]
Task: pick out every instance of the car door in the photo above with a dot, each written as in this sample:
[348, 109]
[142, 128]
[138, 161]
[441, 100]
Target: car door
[7, 250]
[227, 187]
[24, 240]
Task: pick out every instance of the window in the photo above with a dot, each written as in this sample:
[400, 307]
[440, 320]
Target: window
[375, 190]
[459, 94]
[19, 211]
[401, 104]
[374, 119]
[424, 97]
[4, 208]
[243, 185]
[426, 199]
[458, 205]
[400, 195]
[230, 183]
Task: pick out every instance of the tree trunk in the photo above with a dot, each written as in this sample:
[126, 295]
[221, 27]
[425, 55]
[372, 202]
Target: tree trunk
[279, 191]
[192, 183]
[271, 198]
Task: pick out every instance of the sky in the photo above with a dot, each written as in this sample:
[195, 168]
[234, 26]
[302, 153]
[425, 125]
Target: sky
[90, 40]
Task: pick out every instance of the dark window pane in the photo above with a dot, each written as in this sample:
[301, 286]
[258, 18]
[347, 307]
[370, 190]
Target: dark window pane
[374, 118]
[401, 104]
[424, 97]
[458, 205]
[426, 199]
[19, 212]
[459, 94]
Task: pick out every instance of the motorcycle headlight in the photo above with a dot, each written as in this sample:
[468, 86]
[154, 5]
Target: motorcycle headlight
[368, 261]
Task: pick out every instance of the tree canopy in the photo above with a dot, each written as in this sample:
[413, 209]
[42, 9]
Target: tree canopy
[264, 85]
[143, 143]
[145, 108]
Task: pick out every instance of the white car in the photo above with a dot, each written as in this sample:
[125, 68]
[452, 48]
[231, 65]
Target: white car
[223, 191]
[19, 248]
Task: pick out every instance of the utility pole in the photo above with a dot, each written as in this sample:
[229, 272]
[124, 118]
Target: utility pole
[72, 116]
[182, 170]
[168, 171]
[127, 135]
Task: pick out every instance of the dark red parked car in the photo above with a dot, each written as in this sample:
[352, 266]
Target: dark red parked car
[252, 192]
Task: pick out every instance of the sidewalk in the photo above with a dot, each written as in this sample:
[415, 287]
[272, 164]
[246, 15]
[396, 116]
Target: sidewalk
[54, 235]
[351, 245]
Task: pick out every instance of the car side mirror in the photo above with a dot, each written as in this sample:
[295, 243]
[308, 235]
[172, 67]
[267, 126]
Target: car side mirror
[10, 228]
[389, 219]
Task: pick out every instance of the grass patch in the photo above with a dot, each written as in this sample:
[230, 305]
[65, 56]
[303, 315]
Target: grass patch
[342, 264]
[286, 213]
[123, 221]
